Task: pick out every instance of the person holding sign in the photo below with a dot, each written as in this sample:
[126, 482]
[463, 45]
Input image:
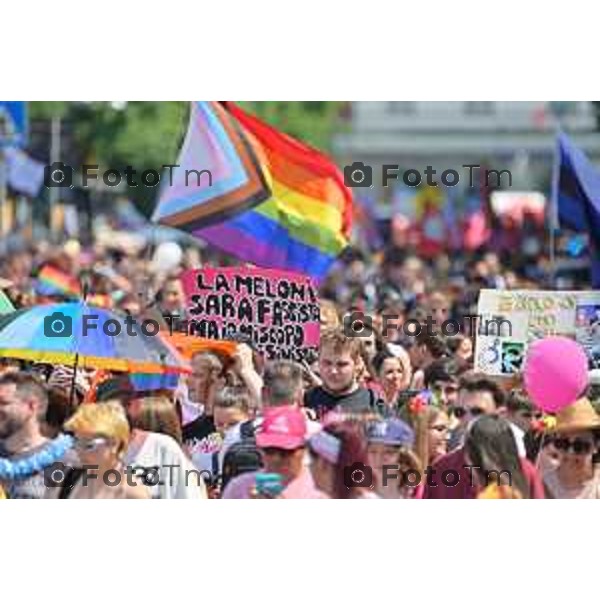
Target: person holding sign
[206, 379]
[243, 367]
[576, 438]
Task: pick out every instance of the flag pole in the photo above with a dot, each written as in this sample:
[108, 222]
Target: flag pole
[85, 291]
[54, 195]
[554, 205]
[3, 171]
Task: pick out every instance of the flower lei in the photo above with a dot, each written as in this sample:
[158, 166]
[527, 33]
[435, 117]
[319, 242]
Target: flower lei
[26, 467]
[543, 425]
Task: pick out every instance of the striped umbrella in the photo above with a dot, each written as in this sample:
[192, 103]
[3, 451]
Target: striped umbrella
[75, 334]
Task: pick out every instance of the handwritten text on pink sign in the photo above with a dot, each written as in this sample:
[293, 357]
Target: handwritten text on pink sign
[277, 310]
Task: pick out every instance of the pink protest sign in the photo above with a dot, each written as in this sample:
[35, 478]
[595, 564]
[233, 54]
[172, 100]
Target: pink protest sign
[276, 311]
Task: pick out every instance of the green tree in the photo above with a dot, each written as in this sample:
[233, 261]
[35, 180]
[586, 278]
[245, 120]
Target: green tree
[311, 122]
[147, 135]
[47, 110]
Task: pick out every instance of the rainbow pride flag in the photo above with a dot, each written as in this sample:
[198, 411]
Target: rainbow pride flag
[100, 300]
[219, 173]
[51, 281]
[306, 220]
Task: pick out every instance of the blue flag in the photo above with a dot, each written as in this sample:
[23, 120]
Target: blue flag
[14, 115]
[577, 194]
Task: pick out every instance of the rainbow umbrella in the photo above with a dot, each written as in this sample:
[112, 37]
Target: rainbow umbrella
[75, 334]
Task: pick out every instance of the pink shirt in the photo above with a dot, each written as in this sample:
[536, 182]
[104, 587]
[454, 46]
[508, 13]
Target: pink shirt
[301, 488]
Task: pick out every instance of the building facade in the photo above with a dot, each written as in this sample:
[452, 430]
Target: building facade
[518, 136]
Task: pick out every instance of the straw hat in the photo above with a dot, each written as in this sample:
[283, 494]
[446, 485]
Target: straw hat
[577, 416]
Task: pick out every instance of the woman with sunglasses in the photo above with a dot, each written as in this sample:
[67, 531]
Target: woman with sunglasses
[576, 439]
[101, 433]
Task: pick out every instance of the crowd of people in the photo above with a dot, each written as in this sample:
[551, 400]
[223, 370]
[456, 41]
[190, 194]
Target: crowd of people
[380, 414]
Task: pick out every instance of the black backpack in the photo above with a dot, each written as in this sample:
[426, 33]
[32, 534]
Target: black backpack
[243, 456]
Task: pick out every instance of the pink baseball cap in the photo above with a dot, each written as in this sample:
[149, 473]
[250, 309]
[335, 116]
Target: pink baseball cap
[282, 427]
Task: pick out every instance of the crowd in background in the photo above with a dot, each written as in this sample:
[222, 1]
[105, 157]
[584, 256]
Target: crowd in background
[379, 414]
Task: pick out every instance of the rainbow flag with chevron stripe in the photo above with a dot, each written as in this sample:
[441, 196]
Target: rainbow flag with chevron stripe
[296, 212]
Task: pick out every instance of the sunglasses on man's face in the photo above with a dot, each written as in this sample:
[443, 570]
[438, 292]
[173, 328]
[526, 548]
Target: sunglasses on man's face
[577, 446]
[459, 411]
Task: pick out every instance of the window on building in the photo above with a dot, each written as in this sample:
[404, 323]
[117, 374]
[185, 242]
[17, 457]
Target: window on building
[479, 108]
[402, 108]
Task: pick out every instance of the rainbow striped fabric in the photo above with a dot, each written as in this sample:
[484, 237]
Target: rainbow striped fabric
[51, 281]
[219, 173]
[54, 282]
[304, 223]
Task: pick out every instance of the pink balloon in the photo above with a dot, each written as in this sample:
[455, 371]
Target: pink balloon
[555, 372]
